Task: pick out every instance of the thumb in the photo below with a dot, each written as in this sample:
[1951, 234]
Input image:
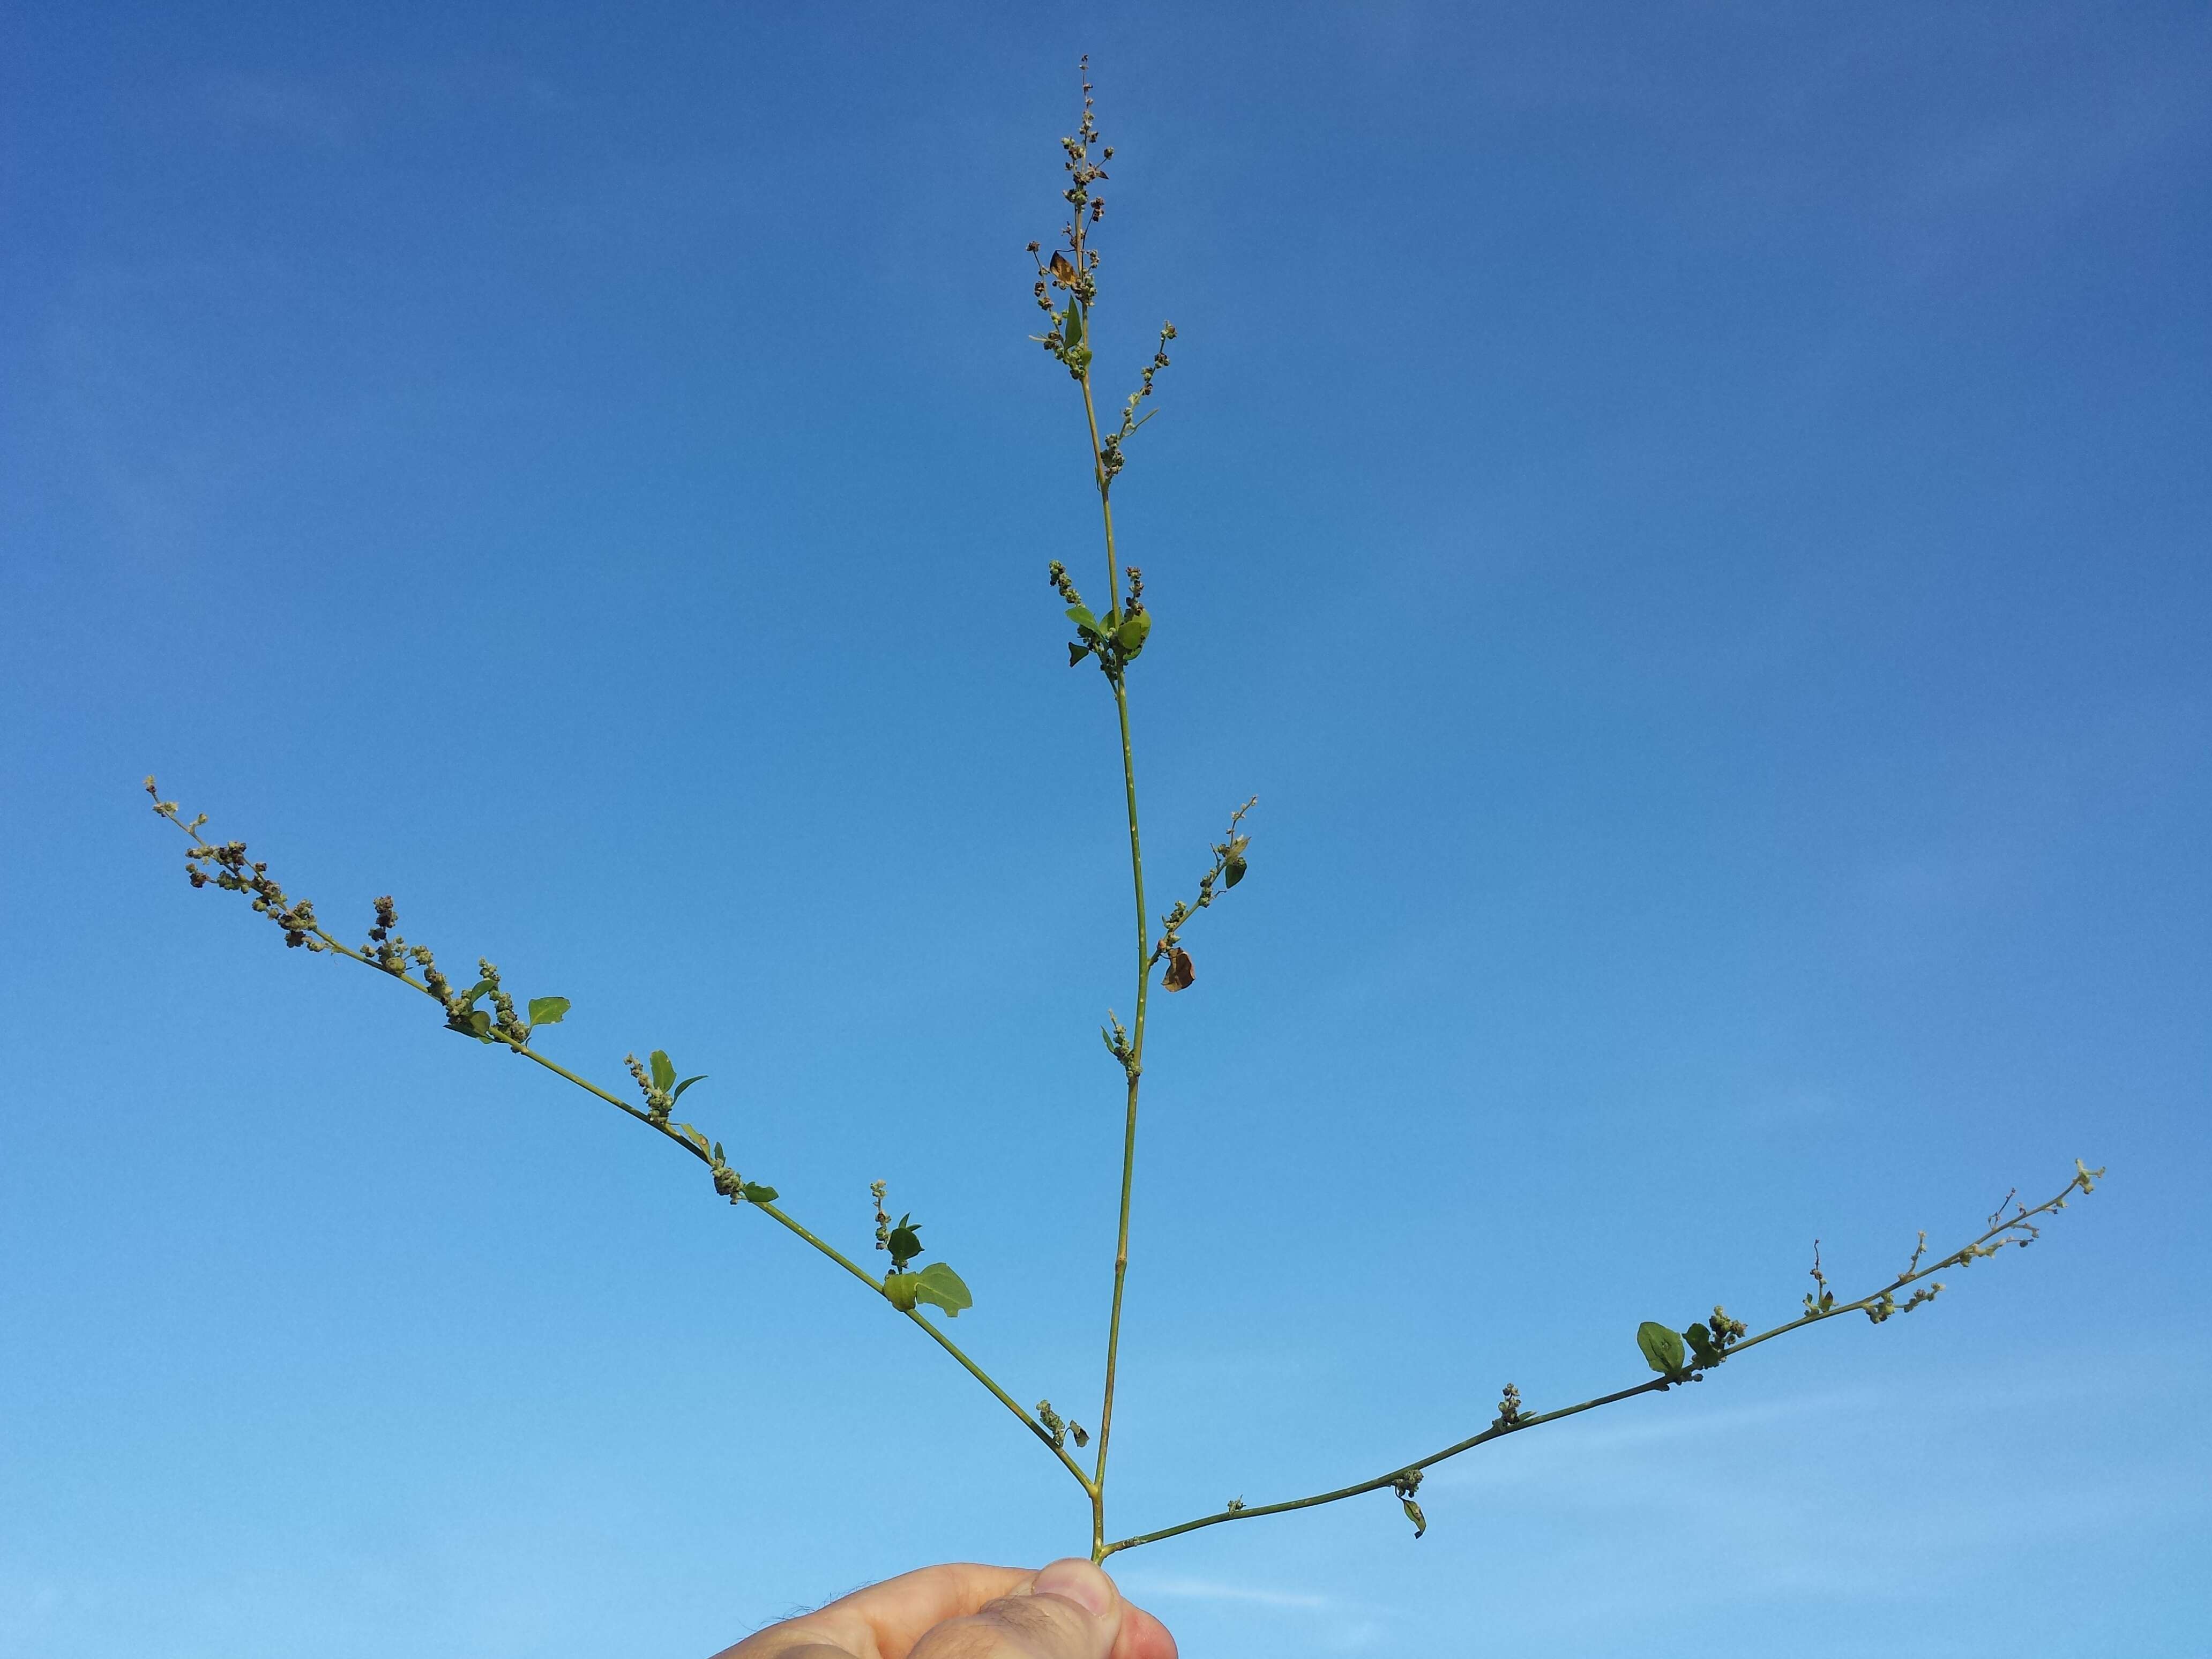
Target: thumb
[1070, 1611]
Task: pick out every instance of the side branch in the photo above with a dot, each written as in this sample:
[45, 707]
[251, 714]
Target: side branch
[303, 928]
[2017, 1229]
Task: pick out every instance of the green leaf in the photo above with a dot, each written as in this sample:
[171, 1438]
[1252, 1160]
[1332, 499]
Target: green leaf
[1076, 652]
[1070, 325]
[1413, 1514]
[483, 987]
[663, 1071]
[904, 1290]
[1131, 634]
[939, 1287]
[1662, 1345]
[1702, 1346]
[757, 1194]
[678, 1093]
[1085, 624]
[904, 1243]
[547, 1011]
[1232, 870]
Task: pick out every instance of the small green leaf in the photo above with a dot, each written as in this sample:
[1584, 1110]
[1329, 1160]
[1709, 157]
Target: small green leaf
[1130, 636]
[939, 1287]
[1071, 326]
[1662, 1345]
[481, 1022]
[903, 1290]
[1702, 1346]
[483, 987]
[1232, 859]
[1076, 652]
[1413, 1514]
[547, 1011]
[663, 1071]
[678, 1092]
[904, 1243]
[1084, 622]
[757, 1194]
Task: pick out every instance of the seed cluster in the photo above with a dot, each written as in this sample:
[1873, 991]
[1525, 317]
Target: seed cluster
[1058, 1432]
[225, 866]
[1508, 1409]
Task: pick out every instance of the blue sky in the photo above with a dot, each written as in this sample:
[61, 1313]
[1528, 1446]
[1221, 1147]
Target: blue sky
[1692, 519]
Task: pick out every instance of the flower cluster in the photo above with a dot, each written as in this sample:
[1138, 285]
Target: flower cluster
[1508, 1409]
[1110, 458]
[1228, 869]
[224, 864]
[1060, 1432]
[658, 1100]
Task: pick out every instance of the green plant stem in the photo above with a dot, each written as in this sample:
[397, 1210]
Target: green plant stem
[836, 1255]
[1254, 1512]
[769, 1210]
[1134, 1065]
[2001, 1230]
[935, 1335]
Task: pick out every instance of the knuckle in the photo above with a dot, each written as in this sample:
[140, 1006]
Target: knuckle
[1013, 1627]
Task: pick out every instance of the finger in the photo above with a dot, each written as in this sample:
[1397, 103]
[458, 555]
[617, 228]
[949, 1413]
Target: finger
[883, 1622]
[1071, 1611]
[1142, 1637]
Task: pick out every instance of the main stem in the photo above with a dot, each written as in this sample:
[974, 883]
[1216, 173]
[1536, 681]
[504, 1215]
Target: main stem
[1135, 1063]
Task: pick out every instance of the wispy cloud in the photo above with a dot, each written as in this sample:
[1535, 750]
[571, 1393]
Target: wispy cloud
[1539, 1461]
[331, 112]
[273, 106]
[1331, 1624]
[1215, 1589]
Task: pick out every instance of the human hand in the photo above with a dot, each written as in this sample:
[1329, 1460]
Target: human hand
[1069, 1610]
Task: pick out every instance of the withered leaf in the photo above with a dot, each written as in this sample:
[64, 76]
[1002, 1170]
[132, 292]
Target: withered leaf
[1180, 971]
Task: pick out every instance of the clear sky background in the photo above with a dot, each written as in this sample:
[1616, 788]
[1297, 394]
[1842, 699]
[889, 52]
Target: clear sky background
[1693, 521]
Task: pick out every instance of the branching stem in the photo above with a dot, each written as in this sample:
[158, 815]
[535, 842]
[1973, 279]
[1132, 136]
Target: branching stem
[1114, 641]
[2004, 1231]
[1134, 1064]
[668, 1133]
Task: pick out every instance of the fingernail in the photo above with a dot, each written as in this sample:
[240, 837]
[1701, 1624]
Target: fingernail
[1080, 1582]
